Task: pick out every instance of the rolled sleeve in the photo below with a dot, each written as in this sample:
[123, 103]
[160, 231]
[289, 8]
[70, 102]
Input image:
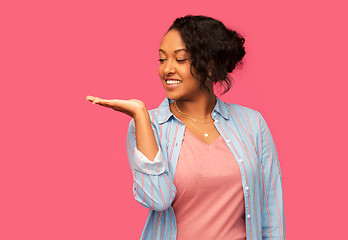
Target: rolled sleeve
[143, 164]
[153, 183]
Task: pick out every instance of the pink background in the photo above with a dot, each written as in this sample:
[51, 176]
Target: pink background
[64, 171]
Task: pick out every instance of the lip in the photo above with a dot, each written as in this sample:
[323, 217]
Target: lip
[171, 79]
[172, 86]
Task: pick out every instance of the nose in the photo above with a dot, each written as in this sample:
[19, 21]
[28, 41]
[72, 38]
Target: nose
[169, 67]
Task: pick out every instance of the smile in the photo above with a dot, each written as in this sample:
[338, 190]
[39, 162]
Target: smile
[172, 84]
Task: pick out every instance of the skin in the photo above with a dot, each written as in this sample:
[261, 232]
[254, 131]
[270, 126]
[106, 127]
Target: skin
[174, 63]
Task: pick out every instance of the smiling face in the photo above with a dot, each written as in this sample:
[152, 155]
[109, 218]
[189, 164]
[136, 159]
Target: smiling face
[174, 68]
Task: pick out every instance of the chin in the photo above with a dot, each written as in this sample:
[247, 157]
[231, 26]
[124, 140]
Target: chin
[173, 95]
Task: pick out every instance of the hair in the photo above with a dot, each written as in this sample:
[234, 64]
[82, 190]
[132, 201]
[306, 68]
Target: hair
[213, 48]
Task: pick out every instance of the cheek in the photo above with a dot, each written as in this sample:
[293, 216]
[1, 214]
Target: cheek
[185, 71]
[188, 75]
[160, 70]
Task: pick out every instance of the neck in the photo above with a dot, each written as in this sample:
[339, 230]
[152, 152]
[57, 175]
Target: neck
[201, 105]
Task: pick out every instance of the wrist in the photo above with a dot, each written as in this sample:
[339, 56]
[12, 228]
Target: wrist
[141, 113]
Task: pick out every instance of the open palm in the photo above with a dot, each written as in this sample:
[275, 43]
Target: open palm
[129, 107]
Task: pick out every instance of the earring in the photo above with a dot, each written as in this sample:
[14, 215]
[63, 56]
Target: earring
[210, 76]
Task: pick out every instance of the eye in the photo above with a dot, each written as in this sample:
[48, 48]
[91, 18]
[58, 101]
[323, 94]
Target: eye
[181, 60]
[161, 60]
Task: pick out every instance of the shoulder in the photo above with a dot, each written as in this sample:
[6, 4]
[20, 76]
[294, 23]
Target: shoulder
[242, 112]
[154, 115]
[247, 120]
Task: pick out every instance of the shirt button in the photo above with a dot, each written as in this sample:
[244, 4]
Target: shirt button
[214, 114]
[248, 216]
[246, 188]
[228, 140]
[241, 160]
[216, 120]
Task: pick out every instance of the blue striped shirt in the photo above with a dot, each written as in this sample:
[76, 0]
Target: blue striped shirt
[247, 135]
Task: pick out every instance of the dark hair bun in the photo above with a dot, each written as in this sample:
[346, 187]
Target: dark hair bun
[235, 50]
[208, 40]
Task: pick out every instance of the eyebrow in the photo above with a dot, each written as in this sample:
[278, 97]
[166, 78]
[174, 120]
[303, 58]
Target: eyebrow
[177, 50]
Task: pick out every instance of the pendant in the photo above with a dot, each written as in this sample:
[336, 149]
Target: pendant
[205, 134]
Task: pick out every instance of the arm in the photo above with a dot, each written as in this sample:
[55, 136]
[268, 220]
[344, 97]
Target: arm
[153, 185]
[145, 138]
[272, 213]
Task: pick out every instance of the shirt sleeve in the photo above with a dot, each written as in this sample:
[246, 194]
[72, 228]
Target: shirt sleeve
[153, 185]
[272, 211]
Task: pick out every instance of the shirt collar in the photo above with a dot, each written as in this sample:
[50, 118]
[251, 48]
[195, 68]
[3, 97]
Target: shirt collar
[164, 113]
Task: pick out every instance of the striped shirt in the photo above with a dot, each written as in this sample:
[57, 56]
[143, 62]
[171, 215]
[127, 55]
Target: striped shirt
[248, 137]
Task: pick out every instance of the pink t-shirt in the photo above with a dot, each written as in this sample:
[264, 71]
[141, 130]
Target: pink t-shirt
[209, 203]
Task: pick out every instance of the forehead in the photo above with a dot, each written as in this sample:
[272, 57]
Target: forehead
[172, 41]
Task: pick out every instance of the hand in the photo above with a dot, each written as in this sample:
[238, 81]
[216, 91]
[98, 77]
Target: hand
[130, 107]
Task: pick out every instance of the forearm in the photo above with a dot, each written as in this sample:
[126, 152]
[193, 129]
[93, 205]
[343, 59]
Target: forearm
[145, 138]
[153, 182]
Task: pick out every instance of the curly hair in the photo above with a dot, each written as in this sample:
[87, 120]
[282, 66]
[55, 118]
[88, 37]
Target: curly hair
[215, 50]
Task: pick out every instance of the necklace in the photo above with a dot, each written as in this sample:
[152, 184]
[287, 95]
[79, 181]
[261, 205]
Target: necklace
[187, 116]
[204, 133]
[205, 122]
[183, 114]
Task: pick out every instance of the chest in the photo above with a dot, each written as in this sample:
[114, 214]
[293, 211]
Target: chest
[242, 143]
[204, 128]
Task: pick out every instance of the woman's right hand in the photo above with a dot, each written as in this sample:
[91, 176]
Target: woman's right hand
[130, 107]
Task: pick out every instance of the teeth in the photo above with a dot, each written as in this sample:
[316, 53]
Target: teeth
[173, 81]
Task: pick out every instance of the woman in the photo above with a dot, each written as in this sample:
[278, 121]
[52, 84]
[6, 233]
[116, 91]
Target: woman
[206, 169]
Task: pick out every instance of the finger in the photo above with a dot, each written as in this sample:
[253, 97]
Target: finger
[99, 100]
[95, 100]
[116, 104]
[90, 98]
[103, 102]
